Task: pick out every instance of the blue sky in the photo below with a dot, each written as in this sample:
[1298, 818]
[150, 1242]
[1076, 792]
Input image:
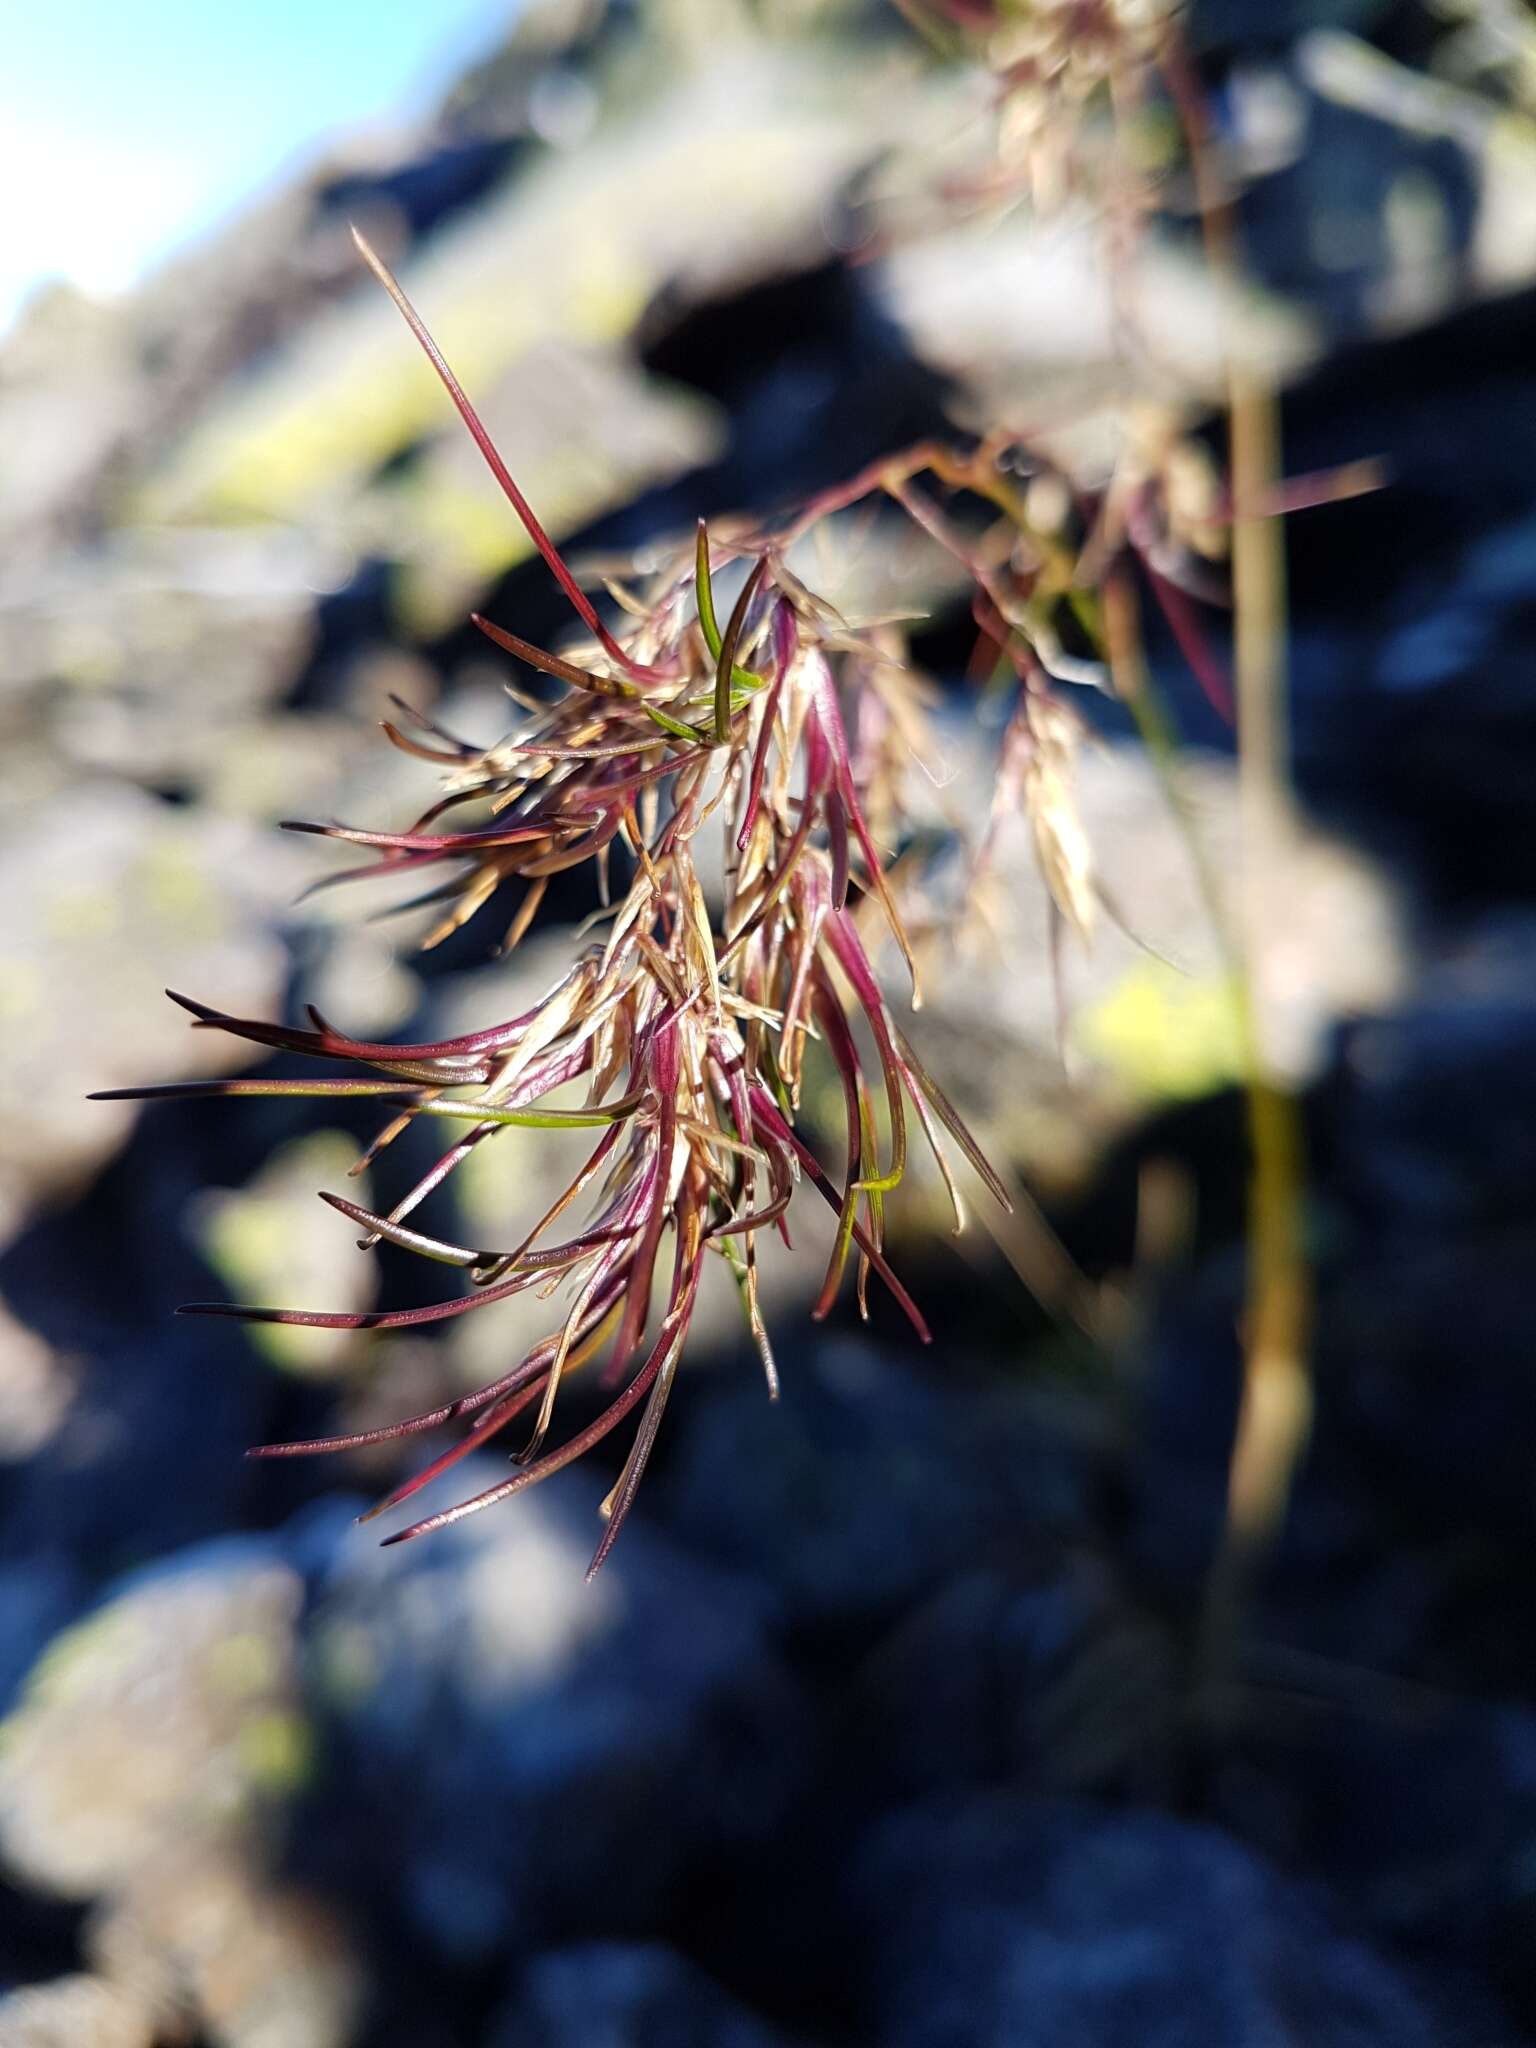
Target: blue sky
[125, 128]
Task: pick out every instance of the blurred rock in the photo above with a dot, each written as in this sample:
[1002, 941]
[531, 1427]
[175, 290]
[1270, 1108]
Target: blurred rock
[1051, 1679]
[1417, 1808]
[498, 1731]
[1004, 1919]
[1148, 1007]
[267, 1244]
[1412, 608]
[147, 896]
[860, 1445]
[212, 1946]
[1435, 1104]
[1430, 1163]
[75, 2012]
[36, 1387]
[166, 1718]
[1022, 315]
[1404, 192]
[137, 657]
[619, 1995]
[71, 387]
[315, 431]
[150, 1453]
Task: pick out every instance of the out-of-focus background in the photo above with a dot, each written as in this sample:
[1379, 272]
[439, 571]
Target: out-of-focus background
[890, 1720]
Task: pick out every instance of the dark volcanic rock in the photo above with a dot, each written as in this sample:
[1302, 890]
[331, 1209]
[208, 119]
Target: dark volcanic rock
[616, 1995]
[499, 1733]
[1009, 1920]
[867, 1483]
[1054, 1680]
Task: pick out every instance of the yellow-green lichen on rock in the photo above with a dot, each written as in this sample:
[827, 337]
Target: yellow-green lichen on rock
[272, 1242]
[1165, 1034]
[133, 1731]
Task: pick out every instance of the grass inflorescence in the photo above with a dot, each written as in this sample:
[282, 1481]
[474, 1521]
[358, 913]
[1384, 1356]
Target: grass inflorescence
[685, 1014]
[687, 1030]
